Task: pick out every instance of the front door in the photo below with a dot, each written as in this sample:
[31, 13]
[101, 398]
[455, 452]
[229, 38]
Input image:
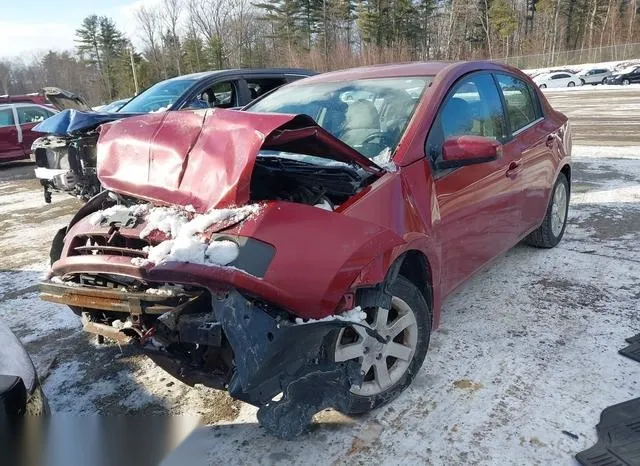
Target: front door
[10, 135]
[28, 117]
[479, 205]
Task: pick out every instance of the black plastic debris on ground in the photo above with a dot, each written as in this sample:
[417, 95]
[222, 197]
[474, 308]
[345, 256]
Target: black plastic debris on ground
[633, 350]
[618, 437]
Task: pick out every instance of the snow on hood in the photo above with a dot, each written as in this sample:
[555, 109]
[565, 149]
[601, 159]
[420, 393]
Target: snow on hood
[205, 158]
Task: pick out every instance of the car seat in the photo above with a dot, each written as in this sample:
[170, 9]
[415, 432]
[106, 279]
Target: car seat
[361, 121]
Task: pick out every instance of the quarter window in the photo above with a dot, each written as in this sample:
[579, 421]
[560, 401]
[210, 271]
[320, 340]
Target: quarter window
[472, 108]
[521, 108]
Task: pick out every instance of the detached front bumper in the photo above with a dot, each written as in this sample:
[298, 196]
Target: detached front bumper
[271, 353]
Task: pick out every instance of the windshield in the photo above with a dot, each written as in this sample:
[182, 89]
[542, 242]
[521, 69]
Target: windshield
[157, 98]
[369, 115]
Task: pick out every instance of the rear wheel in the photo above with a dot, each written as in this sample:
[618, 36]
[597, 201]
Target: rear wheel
[571, 84]
[388, 367]
[626, 82]
[552, 229]
[543, 86]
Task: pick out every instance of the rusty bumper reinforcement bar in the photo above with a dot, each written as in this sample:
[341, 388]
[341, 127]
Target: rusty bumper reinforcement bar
[115, 300]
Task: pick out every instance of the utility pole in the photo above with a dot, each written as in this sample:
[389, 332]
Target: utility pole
[133, 69]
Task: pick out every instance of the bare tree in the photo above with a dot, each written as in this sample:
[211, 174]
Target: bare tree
[171, 13]
[151, 24]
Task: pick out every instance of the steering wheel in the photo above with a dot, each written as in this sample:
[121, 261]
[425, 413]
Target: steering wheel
[378, 134]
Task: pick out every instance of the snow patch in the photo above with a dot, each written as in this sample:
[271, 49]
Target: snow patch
[100, 215]
[185, 229]
[355, 315]
[166, 290]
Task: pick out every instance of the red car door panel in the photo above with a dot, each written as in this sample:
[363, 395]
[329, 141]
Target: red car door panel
[479, 205]
[28, 117]
[10, 147]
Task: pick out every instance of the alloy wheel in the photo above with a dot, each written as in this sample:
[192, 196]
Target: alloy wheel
[383, 364]
[558, 209]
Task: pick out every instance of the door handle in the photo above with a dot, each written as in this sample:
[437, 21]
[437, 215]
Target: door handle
[550, 140]
[513, 170]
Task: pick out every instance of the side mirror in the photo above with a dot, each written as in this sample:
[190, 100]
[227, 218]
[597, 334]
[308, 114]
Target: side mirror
[468, 150]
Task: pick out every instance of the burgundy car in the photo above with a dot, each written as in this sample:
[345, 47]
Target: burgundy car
[16, 122]
[297, 253]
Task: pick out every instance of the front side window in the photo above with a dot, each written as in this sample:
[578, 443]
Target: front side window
[28, 115]
[473, 108]
[6, 117]
[370, 115]
[520, 105]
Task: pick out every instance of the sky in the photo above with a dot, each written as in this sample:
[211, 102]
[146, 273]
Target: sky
[33, 27]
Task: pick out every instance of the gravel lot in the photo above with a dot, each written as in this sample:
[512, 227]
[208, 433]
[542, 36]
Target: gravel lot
[526, 349]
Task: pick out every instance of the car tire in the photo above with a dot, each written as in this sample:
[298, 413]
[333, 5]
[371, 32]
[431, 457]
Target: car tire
[543, 86]
[571, 84]
[626, 82]
[604, 81]
[409, 297]
[582, 82]
[550, 232]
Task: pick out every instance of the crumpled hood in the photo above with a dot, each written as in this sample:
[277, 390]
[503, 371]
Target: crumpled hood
[71, 121]
[63, 100]
[205, 157]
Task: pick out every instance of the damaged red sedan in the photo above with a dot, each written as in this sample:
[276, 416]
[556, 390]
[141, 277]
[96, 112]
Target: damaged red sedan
[297, 253]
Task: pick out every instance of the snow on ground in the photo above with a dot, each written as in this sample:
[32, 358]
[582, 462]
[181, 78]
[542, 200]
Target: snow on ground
[525, 350]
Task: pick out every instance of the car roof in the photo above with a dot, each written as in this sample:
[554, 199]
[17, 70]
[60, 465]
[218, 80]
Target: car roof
[243, 71]
[25, 104]
[409, 69]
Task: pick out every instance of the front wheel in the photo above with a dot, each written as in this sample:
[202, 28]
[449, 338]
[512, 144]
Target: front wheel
[552, 229]
[388, 367]
[543, 86]
[626, 82]
[582, 82]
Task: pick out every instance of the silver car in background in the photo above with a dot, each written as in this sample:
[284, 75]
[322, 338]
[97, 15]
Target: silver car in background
[594, 75]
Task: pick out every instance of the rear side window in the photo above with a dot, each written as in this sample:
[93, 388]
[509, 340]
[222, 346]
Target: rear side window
[6, 117]
[259, 86]
[473, 107]
[522, 109]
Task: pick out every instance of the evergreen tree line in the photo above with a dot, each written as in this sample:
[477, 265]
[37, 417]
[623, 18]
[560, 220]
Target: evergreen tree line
[185, 36]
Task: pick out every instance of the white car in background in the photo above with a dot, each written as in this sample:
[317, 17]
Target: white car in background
[558, 79]
[594, 75]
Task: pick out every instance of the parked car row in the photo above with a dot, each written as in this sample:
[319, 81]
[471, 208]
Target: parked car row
[208, 246]
[570, 78]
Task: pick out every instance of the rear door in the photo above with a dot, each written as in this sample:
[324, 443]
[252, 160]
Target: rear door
[10, 136]
[28, 117]
[534, 138]
[479, 205]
